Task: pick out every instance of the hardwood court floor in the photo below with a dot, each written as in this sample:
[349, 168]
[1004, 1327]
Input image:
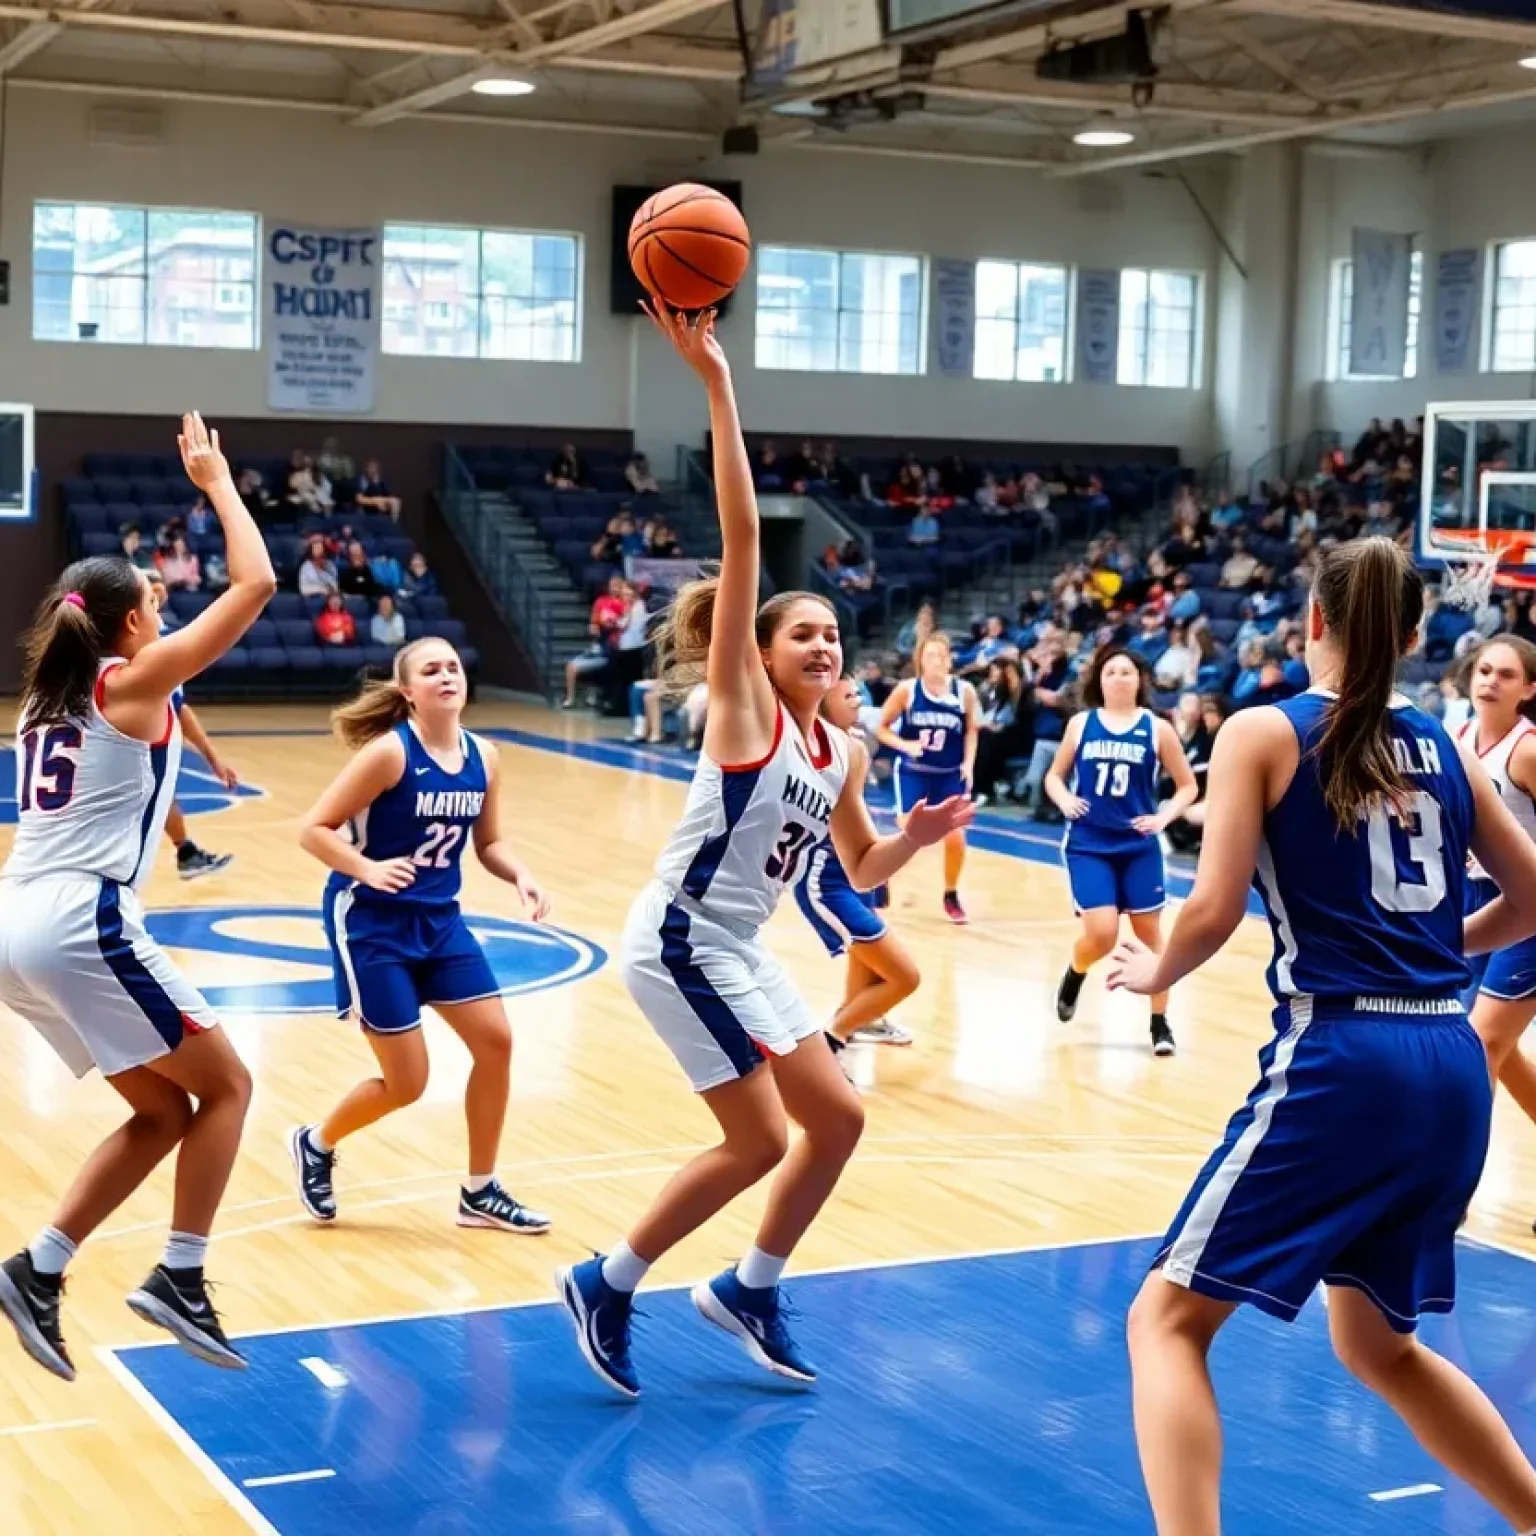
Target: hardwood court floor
[1000, 1129]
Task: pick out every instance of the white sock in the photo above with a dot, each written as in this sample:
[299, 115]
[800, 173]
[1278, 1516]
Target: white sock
[51, 1251]
[317, 1141]
[759, 1271]
[185, 1250]
[624, 1269]
[476, 1182]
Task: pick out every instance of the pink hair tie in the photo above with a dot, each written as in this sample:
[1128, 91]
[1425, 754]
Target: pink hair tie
[75, 600]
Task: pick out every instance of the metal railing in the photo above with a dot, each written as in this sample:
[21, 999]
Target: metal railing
[482, 525]
[1290, 461]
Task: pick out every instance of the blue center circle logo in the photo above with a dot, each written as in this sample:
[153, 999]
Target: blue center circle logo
[252, 942]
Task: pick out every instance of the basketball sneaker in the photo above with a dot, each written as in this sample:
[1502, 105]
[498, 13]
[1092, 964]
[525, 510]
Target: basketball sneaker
[953, 910]
[881, 1032]
[31, 1301]
[494, 1207]
[192, 862]
[602, 1317]
[1068, 992]
[182, 1308]
[315, 1170]
[1162, 1038]
[756, 1317]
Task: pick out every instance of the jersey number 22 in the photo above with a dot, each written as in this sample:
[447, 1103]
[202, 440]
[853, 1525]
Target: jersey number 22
[438, 850]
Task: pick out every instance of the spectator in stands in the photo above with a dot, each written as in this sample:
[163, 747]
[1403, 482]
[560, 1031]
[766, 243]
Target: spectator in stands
[317, 575]
[1240, 567]
[356, 577]
[387, 627]
[638, 476]
[1097, 503]
[842, 477]
[993, 645]
[566, 471]
[911, 484]
[1196, 720]
[258, 500]
[133, 548]
[419, 580]
[200, 518]
[805, 469]
[923, 530]
[306, 490]
[1185, 604]
[915, 631]
[1179, 663]
[179, 568]
[336, 466]
[605, 621]
[631, 540]
[1272, 686]
[1151, 637]
[373, 493]
[215, 572]
[661, 542]
[768, 471]
[386, 571]
[1005, 722]
[333, 624]
[606, 548]
[856, 571]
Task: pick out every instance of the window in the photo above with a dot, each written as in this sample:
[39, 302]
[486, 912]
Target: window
[481, 293]
[1343, 319]
[1159, 328]
[1021, 322]
[1513, 331]
[164, 277]
[840, 311]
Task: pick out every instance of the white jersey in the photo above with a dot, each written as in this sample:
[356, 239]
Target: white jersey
[1495, 762]
[747, 831]
[92, 800]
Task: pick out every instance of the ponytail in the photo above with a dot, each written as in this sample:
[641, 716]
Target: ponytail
[76, 625]
[379, 707]
[1371, 599]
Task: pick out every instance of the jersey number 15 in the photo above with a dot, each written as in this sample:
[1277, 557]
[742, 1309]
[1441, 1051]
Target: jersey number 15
[47, 775]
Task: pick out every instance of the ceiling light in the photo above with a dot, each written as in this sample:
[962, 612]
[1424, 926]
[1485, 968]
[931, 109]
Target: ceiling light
[502, 85]
[1529, 63]
[1103, 138]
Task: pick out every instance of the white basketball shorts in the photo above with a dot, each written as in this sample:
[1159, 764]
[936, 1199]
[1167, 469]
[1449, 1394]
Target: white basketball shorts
[77, 964]
[719, 1001]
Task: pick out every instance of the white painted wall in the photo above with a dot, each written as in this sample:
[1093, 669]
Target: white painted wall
[309, 166]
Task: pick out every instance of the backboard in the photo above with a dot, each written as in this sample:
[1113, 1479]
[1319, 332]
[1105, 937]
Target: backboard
[18, 477]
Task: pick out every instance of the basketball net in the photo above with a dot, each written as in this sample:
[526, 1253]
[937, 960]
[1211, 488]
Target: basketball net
[1469, 578]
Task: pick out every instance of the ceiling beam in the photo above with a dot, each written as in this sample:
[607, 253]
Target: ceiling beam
[1390, 18]
[616, 29]
[32, 38]
[1261, 53]
[1198, 102]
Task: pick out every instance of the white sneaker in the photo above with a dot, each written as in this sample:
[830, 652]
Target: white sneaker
[881, 1032]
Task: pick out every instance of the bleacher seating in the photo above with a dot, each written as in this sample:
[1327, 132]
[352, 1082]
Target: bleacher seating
[280, 654]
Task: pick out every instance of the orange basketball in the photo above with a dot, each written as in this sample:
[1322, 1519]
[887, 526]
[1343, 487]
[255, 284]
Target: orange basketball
[689, 245]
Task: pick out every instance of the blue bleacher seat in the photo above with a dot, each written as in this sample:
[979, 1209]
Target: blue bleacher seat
[262, 633]
[415, 629]
[1221, 604]
[101, 544]
[296, 634]
[78, 492]
[360, 609]
[380, 656]
[236, 660]
[432, 607]
[285, 605]
[181, 491]
[187, 605]
[343, 658]
[305, 658]
[147, 490]
[470, 657]
[451, 630]
[113, 488]
[269, 658]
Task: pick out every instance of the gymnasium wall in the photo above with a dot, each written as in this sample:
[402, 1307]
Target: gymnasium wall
[312, 166]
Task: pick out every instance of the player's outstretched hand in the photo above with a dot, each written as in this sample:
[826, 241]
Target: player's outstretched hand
[389, 875]
[200, 452]
[1148, 826]
[535, 902]
[694, 338]
[1132, 967]
[930, 824]
[1075, 807]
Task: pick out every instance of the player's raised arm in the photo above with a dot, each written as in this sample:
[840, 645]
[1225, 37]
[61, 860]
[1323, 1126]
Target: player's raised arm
[161, 668]
[742, 705]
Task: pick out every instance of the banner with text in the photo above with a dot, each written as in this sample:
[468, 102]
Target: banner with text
[325, 296]
[1378, 312]
[1455, 310]
[1098, 326]
[954, 317]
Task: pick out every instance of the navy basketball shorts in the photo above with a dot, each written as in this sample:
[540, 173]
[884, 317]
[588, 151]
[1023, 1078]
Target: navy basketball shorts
[1352, 1163]
[838, 914]
[1509, 975]
[392, 957]
[913, 786]
[1128, 881]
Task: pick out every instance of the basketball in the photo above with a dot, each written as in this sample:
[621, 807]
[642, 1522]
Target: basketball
[689, 245]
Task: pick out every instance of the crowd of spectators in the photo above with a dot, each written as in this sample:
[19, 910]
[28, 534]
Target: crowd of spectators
[336, 566]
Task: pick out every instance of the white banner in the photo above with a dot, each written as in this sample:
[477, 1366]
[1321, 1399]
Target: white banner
[1378, 315]
[324, 299]
[1455, 310]
[954, 317]
[1098, 326]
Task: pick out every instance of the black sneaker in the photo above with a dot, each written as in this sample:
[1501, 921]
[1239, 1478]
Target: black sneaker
[315, 1169]
[1162, 1039]
[495, 1207]
[1067, 994]
[31, 1301]
[199, 862]
[184, 1311]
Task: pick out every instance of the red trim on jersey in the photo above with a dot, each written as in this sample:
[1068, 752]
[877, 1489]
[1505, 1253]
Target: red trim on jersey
[192, 1027]
[819, 735]
[762, 762]
[1519, 728]
[99, 695]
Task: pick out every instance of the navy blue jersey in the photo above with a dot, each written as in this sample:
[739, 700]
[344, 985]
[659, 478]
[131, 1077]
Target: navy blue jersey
[427, 817]
[1116, 772]
[937, 725]
[1375, 912]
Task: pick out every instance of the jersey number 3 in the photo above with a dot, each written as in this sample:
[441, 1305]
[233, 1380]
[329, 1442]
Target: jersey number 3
[47, 775]
[1426, 845]
[441, 844]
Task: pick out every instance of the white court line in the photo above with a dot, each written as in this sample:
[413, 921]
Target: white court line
[1413, 1491]
[323, 1372]
[194, 1453]
[14, 1431]
[318, 1475]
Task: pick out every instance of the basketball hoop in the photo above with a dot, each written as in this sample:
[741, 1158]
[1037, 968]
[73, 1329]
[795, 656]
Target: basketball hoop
[1469, 577]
